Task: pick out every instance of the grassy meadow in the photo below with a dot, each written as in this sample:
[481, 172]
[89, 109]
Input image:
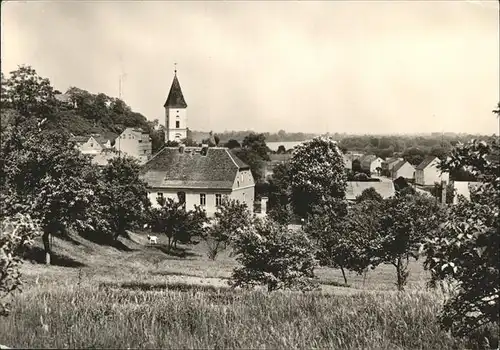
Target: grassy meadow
[142, 296]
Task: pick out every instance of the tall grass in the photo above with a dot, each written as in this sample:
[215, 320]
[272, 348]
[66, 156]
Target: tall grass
[120, 316]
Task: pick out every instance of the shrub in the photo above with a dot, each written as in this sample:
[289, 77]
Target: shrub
[230, 218]
[16, 233]
[177, 223]
[274, 256]
[465, 248]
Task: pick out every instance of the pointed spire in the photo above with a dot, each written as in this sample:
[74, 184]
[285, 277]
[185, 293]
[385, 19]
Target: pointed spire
[175, 97]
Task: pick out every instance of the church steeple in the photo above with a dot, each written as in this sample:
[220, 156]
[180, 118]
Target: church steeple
[175, 97]
[175, 112]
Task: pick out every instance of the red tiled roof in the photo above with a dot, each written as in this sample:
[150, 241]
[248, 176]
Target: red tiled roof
[175, 97]
[170, 168]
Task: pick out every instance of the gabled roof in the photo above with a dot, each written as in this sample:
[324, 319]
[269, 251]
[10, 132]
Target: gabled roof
[425, 163]
[391, 161]
[170, 168]
[131, 129]
[175, 97]
[367, 160]
[355, 188]
[79, 139]
[100, 139]
[399, 165]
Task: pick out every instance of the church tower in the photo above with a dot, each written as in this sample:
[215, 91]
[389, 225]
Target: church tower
[175, 113]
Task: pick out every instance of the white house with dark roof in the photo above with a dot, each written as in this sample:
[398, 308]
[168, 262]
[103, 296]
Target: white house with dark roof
[402, 169]
[389, 163]
[198, 176]
[92, 144]
[427, 173]
[371, 163]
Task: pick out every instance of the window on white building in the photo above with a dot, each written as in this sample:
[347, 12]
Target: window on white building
[218, 199]
[203, 199]
[177, 124]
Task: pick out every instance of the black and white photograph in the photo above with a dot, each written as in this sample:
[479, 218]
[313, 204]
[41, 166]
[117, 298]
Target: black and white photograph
[250, 174]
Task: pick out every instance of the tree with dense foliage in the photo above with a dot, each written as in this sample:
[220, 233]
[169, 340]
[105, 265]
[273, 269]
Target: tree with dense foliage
[279, 192]
[465, 248]
[405, 222]
[217, 140]
[316, 173]
[16, 233]
[326, 228]
[177, 223]
[29, 94]
[232, 144]
[369, 194]
[281, 149]
[257, 144]
[274, 256]
[414, 155]
[231, 218]
[124, 201]
[43, 175]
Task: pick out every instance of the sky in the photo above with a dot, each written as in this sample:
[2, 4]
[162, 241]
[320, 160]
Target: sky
[338, 66]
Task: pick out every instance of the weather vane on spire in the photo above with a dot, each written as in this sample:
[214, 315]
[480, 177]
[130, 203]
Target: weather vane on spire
[175, 68]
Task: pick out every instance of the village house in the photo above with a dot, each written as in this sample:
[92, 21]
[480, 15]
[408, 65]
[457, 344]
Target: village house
[349, 158]
[427, 173]
[371, 163]
[198, 176]
[389, 163]
[134, 142]
[402, 169]
[92, 144]
[355, 188]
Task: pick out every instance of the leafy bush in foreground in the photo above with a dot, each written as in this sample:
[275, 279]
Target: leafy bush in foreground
[466, 248]
[16, 233]
[274, 256]
[230, 218]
